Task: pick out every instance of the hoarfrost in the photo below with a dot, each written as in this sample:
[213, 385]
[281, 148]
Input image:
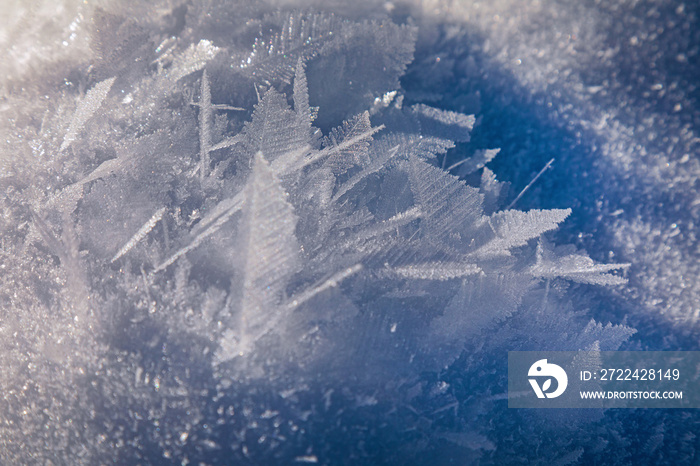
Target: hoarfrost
[193, 59]
[297, 267]
[269, 255]
[86, 108]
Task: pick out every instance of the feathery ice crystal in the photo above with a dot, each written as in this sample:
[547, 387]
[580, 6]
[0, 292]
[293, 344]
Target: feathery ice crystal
[192, 269]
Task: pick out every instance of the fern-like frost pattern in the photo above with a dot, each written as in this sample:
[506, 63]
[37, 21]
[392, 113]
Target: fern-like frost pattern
[170, 247]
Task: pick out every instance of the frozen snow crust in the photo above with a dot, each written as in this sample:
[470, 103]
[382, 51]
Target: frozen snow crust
[249, 233]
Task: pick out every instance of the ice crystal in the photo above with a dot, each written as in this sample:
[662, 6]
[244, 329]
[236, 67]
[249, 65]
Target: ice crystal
[180, 261]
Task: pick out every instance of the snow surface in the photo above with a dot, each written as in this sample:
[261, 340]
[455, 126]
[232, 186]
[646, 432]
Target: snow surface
[280, 232]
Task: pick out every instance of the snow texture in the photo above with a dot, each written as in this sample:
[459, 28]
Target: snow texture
[274, 233]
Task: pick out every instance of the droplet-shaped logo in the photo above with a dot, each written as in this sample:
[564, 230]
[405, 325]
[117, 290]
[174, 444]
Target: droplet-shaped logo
[544, 370]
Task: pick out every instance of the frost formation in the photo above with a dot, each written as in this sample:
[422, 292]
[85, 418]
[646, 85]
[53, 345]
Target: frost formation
[205, 256]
